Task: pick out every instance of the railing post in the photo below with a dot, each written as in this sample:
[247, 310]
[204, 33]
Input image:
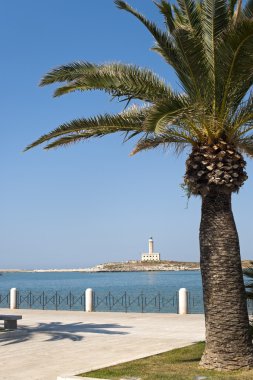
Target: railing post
[89, 300]
[183, 307]
[13, 298]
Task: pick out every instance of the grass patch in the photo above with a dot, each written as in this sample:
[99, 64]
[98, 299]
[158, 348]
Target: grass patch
[179, 364]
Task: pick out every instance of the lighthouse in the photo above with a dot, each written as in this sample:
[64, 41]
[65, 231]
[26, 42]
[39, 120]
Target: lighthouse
[151, 255]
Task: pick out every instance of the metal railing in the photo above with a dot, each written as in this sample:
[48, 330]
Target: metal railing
[123, 302]
[50, 301]
[141, 303]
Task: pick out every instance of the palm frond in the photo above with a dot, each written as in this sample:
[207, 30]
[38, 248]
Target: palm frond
[191, 15]
[165, 113]
[179, 18]
[101, 125]
[119, 80]
[236, 61]
[166, 10]
[246, 145]
[71, 139]
[151, 141]
[215, 21]
[181, 116]
[67, 73]
[189, 67]
[167, 49]
[187, 32]
[165, 44]
[193, 63]
[241, 120]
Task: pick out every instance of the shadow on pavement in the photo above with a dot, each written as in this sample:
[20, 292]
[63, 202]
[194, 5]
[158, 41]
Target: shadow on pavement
[54, 331]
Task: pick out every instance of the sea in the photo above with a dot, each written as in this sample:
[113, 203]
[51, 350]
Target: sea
[148, 282]
[113, 291]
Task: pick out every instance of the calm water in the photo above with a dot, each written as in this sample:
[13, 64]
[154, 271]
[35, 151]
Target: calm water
[147, 282]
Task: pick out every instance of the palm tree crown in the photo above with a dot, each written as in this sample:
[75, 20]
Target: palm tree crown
[209, 45]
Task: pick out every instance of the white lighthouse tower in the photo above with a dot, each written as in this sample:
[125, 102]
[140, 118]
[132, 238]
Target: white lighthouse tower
[151, 255]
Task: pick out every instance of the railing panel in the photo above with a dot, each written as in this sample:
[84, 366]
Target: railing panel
[140, 303]
[195, 303]
[50, 301]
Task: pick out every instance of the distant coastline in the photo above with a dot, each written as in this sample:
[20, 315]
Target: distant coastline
[128, 266]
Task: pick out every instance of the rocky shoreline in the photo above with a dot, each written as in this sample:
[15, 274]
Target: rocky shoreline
[128, 266]
[138, 266]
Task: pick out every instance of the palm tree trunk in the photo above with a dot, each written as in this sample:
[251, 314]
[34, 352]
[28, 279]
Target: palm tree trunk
[228, 340]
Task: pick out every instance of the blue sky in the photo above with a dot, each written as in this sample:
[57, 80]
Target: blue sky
[90, 203]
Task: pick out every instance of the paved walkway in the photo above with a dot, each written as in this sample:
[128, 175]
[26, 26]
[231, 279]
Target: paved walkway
[51, 343]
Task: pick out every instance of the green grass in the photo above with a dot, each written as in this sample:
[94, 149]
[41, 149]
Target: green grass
[179, 364]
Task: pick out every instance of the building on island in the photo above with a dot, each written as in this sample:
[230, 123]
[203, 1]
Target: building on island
[151, 255]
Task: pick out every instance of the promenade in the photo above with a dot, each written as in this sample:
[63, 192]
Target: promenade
[51, 343]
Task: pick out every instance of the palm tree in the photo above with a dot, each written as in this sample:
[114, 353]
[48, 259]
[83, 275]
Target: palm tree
[209, 44]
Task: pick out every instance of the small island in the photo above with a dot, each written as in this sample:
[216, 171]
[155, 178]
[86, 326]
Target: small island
[129, 266]
[126, 266]
[142, 266]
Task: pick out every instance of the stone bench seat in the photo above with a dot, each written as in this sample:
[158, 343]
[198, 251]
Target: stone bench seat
[10, 320]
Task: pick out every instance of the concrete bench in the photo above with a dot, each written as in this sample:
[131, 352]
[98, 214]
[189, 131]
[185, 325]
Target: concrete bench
[10, 321]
